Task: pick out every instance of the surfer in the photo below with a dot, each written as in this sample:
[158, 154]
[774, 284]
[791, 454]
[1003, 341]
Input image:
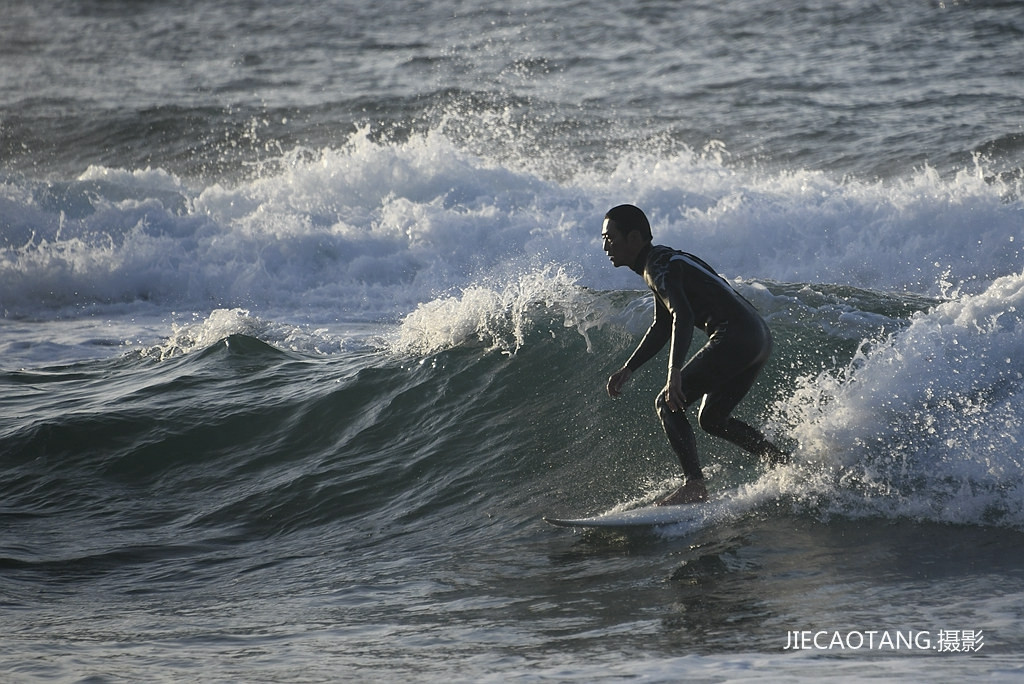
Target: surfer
[689, 294]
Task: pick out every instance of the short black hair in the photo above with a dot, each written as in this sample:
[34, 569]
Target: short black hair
[628, 218]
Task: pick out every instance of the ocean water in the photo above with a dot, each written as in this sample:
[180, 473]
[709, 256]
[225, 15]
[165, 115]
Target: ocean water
[305, 324]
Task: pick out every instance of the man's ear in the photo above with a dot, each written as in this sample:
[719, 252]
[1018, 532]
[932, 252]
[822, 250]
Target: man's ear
[636, 239]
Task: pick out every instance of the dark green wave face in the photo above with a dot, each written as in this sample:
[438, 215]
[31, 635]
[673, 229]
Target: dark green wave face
[242, 436]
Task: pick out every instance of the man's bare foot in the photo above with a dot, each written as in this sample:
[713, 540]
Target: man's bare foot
[693, 491]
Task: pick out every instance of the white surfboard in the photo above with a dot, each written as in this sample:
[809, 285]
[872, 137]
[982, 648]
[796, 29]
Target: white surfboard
[684, 515]
[723, 506]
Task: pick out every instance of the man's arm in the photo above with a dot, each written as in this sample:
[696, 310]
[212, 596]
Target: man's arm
[677, 307]
[653, 340]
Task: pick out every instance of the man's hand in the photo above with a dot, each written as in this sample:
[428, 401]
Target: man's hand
[618, 379]
[673, 392]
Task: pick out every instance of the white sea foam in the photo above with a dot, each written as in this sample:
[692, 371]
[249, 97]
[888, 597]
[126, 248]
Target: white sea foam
[374, 230]
[924, 423]
[199, 333]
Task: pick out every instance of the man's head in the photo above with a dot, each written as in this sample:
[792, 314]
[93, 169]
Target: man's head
[624, 234]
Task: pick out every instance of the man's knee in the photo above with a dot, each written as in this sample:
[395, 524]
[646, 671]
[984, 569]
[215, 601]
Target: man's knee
[661, 406]
[712, 422]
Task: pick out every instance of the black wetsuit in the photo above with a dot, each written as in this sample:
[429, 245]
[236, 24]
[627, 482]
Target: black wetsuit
[689, 294]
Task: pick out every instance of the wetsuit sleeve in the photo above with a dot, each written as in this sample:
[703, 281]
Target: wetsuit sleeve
[654, 339]
[678, 308]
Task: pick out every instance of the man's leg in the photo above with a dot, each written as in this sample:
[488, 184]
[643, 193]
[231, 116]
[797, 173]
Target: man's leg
[715, 418]
[684, 444]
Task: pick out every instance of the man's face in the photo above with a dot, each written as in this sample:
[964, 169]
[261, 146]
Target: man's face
[621, 249]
